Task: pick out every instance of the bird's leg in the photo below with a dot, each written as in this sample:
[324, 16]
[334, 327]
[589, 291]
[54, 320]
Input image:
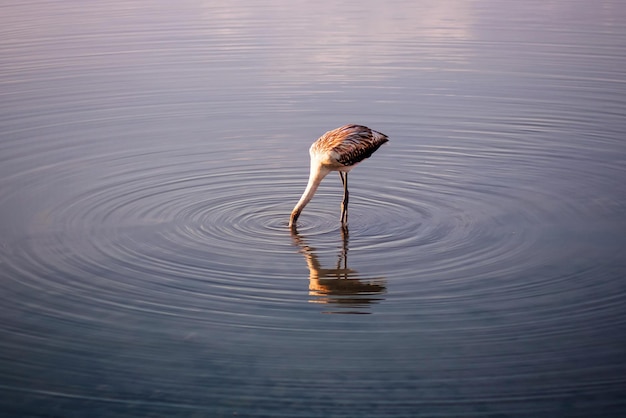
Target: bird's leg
[344, 203]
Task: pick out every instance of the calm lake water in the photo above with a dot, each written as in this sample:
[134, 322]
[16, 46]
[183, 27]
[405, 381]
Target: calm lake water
[150, 154]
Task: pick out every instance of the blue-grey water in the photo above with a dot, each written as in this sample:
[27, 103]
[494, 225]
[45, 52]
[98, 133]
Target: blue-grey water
[150, 154]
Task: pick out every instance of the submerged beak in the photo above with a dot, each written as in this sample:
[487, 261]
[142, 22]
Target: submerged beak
[294, 217]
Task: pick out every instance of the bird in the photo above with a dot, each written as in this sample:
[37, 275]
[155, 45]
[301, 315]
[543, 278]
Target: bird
[338, 150]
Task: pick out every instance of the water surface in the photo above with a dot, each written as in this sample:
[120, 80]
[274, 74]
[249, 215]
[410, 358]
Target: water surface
[150, 154]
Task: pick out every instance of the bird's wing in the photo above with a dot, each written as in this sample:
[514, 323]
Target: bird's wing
[354, 143]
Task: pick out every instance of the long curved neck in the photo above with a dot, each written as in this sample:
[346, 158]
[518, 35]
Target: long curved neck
[318, 172]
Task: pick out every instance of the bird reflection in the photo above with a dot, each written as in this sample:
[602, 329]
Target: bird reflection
[341, 286]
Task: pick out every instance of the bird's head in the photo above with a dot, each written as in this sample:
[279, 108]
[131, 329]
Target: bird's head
[295, 214]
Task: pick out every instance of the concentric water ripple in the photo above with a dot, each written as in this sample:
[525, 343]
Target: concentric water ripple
[196, 222]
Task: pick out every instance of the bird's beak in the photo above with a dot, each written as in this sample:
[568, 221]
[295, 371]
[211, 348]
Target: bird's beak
[294, 217]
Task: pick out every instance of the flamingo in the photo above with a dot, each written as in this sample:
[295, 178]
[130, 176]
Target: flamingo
[338, 150]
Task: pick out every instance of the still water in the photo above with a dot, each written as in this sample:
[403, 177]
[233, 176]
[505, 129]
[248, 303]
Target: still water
[150, 154]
